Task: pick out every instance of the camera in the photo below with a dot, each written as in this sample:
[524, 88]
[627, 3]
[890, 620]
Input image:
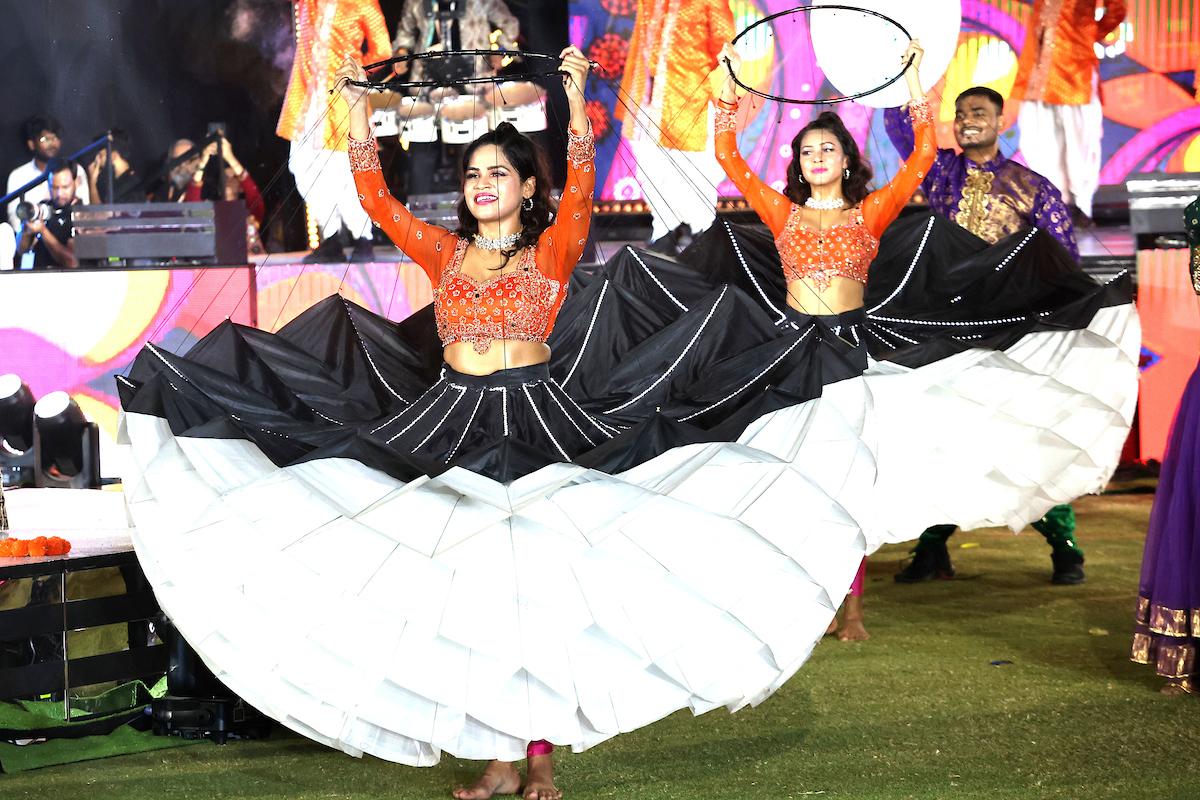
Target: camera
[26, 211]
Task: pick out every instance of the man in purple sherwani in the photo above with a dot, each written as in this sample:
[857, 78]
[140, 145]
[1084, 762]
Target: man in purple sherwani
[980, 189]
[992, 197]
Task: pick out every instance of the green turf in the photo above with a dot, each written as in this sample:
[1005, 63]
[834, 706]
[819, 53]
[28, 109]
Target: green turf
[917, 712]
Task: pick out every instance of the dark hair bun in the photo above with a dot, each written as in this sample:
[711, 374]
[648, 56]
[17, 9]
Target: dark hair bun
[506, 130]
[829, 119]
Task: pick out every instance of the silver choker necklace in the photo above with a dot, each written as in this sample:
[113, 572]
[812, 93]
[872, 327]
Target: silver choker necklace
[503, 243]
[832, 204]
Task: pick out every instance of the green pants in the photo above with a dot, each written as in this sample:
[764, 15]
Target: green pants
[1058, 526]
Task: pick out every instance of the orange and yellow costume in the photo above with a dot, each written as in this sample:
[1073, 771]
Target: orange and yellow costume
[1061, 118]
[316, 122]
[671, 55]
[325, 31]
[666, 86]
[1059, 61]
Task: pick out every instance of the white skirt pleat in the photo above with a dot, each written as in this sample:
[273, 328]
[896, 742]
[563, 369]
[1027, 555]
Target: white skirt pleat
[458, 614]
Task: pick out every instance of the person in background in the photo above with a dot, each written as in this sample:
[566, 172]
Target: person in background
[326, 30]
[237, 185]
[43, 136]
[179, 167]
[672, 55]
[434, 25]
[992, 196]
[1061, 118]
[47, 236]
[125, 179]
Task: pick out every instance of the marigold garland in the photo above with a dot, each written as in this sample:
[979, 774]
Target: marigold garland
[35, 547]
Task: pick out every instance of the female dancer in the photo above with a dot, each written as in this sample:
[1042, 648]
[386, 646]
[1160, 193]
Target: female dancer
[499, 282]
[827, 226]
[1168, 606]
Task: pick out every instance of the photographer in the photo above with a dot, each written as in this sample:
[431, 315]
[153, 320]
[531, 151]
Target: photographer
[237, 185]
[48, 232]
[43, 137]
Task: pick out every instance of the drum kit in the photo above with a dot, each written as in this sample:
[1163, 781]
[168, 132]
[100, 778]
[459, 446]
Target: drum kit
[458, 117]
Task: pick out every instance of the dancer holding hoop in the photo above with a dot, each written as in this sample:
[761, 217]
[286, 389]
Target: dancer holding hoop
[827, 225]
[499, 282]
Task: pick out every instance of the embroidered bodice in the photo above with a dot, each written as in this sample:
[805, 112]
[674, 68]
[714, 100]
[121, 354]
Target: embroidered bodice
[845, 251]
[820, 255]
[515, 305]
[521, 304]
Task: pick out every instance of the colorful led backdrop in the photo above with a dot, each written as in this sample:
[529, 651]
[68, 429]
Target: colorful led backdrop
[1152, 120]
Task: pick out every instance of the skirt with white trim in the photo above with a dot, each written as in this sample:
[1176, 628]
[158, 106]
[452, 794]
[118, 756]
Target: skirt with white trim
[384, 570]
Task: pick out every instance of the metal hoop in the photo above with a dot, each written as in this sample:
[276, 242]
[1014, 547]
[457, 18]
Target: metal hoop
[834, 100]
[381, 86]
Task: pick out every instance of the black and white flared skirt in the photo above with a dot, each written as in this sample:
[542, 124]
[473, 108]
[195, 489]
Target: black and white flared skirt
[395, 558]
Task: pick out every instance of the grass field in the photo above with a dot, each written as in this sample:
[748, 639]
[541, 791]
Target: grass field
[922, 710]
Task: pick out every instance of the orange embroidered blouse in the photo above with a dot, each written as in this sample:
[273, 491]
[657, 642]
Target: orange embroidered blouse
[842, 250]
[516, 305]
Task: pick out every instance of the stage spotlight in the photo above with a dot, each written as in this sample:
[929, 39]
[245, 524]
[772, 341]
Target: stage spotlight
[67, 446]
[16, 432]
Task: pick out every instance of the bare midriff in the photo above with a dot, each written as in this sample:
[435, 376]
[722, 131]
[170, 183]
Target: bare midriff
[842, 294]
[502, 354]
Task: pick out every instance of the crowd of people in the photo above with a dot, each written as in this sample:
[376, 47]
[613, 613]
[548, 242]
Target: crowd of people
[38, 233]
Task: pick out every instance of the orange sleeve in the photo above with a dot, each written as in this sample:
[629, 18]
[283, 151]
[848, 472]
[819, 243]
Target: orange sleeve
[882, 206]
[561, 245]
[771, 206]
[379, 43]
[430, 246]
[1114, 15]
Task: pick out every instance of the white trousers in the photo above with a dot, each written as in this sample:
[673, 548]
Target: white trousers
[679, 185]
[1062, 143]
[327, 186]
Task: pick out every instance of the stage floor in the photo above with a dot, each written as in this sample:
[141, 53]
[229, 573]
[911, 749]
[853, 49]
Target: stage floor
[1099, 242]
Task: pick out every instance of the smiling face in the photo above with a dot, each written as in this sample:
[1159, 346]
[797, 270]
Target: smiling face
[976, 123]
[493, 188]
[822, 159]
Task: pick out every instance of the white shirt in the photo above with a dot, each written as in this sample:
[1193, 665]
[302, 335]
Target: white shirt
[27, 172]
[8, 245]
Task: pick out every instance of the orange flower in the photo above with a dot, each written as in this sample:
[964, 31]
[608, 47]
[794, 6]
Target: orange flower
[37, 546]
[18, 547]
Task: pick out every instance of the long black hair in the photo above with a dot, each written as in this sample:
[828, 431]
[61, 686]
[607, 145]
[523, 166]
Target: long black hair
[528, 160]
[854, 188]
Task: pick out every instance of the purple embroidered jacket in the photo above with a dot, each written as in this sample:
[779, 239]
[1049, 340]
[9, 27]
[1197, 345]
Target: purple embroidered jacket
[991, 200]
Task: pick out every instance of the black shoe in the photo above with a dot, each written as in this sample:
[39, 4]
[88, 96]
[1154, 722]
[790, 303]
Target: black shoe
[1068, 568]
[930, 560]
[328, 252]
[364, 252]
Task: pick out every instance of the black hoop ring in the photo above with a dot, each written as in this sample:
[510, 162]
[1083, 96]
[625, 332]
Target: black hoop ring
[831, 101]
[380, 86]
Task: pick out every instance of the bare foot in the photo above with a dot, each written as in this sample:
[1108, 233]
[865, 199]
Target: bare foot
[539, 785]
[500, 777]
[853, 630]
